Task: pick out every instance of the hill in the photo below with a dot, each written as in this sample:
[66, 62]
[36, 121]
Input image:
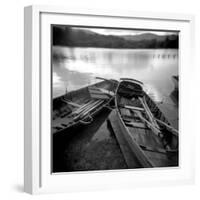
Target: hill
[74, 37]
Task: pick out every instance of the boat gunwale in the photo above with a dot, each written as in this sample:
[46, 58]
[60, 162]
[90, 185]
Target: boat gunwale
[142, 158]
[141, 151]
[93, 112]
[132, 81]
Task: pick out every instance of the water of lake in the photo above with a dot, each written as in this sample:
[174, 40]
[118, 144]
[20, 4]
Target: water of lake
[74, 68]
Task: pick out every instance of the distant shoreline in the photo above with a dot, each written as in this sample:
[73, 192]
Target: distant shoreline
[70, 37]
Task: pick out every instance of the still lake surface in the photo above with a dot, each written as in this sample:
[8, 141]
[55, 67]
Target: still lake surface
[74, 68]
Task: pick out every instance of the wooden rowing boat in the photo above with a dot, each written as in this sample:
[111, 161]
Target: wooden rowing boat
[151, 140]
[175, 93]
[80, 106]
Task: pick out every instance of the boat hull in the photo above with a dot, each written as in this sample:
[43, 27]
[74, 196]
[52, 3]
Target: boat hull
[65, 108]
[149, 148]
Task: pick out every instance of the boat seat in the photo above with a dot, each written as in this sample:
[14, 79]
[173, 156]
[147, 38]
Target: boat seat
[125, 112]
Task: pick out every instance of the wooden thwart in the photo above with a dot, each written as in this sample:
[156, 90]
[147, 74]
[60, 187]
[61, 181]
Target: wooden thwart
[125, 112]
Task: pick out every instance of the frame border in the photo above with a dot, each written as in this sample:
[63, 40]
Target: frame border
[32, 77]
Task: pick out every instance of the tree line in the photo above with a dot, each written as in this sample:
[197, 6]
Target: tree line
[67, 36]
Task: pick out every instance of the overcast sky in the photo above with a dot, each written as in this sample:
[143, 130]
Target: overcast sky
[106, 31]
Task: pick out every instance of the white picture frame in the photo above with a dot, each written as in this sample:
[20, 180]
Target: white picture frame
[37, 138]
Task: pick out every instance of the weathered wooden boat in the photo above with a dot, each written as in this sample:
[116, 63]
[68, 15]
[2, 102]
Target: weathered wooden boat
[80, 106]
[175, 93]
[175, 80]
[145, 136]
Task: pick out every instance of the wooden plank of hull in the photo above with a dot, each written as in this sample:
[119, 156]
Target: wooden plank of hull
[100, 96]
[97, 93]
[71, 103]
[134, 156]
[129, 156]
[135, 124]
[144, 137]
[152, 147]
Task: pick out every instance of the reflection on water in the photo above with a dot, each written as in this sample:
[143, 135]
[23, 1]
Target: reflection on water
[74, 68]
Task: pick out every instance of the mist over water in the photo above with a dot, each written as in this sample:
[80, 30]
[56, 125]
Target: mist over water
[74, 68]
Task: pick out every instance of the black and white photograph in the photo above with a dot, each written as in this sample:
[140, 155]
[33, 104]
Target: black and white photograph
[115, 98]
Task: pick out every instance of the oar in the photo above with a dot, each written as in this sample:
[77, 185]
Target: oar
[85, 112]
[168, 126]
[86, 108]
[148, 112]
[83, 107]
[150, 125]
[92, 108]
